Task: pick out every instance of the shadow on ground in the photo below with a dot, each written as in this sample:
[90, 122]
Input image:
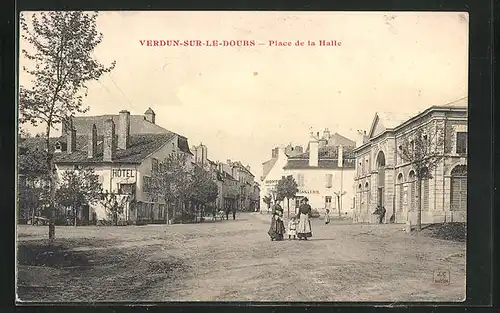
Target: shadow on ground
[54, 272]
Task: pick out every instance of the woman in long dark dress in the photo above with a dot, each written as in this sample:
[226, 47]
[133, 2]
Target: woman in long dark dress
[277, 229]
[304, 228]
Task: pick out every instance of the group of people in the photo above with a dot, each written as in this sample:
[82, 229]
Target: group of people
[298, 227]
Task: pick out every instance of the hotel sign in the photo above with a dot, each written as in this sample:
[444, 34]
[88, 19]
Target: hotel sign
[123, 173]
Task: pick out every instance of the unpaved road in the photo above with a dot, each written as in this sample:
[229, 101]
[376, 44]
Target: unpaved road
[236, 261]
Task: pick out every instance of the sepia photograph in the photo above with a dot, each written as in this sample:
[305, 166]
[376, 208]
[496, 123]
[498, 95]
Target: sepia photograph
[263, 156]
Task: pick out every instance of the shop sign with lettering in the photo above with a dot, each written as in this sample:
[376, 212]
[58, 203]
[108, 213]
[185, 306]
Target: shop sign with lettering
[309, 191]
[123, 173]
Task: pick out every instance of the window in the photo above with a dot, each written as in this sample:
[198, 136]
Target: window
[328, 180]
[146, 187]
[300, 180]
[328, 200]
[367, 164]
[154, 164]
[126, 189]
[461, 142]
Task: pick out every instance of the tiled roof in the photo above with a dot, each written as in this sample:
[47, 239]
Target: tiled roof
[138, 124]
[267, 166]
[322, 164]
[393, 119]
[329, 152]
[140, 146]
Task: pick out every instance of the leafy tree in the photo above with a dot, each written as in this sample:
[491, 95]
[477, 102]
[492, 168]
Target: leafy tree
[77, 188]
[267, 200]
[424, 150]
[33, 186]
[61, 64]
[203, 189]
[171, 180]
[287, 188]
[112, 204]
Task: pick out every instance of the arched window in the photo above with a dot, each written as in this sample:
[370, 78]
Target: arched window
[425, 189]
[458, 200]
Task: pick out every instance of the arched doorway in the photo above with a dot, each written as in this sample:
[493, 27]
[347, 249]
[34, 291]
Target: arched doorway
[400, 192]
[413, 189]
[381, 178]
[360, 199]
[367, 197]
[459, 188]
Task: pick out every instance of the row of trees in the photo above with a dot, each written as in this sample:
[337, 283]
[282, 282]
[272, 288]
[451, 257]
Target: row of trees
[190, 189]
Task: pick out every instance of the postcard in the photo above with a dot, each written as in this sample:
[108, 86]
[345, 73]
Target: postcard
[256, 156]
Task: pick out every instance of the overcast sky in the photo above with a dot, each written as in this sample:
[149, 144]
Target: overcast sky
[243, 101]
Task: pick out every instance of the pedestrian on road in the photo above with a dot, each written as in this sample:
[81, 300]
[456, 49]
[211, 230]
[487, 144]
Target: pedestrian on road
[277, 229]
[382, 215]
[227, 214]
[304, 230]
[327, 217]
[234, 214]
[292, 228]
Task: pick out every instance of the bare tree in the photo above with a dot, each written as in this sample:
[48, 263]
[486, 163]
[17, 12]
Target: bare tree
[62, 64]
[339, 196]
[424, 149]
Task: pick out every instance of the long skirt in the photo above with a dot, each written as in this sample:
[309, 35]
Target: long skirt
[277, 229]
[304, 227]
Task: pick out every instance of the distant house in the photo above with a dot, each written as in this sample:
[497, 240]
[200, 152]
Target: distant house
[324, 172]
[383, 178]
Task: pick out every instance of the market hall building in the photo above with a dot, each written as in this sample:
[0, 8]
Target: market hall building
[382, 178]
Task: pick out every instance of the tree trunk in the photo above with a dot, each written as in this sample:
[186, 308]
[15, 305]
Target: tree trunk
[52, 194]
[338, 203]
[33, 216]
[288, 206]
[419, 204]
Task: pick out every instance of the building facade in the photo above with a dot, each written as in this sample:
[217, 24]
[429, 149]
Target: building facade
[124, 163]
[324, 173]
[384, 178]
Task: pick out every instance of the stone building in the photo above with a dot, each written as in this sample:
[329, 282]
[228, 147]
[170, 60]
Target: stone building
[383, 178]
[324, 172]
[122, 149]
[234, 180]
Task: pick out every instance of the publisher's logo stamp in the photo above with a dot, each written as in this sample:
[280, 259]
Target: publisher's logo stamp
[441, 277]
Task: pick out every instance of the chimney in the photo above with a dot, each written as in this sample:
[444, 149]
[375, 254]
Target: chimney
[340, 156]
[123, 129]
[92, 142]
[313, 153]
[274, 153]
[361, 138]
[248, 167]
[109, 146]
[71, 137]
[228, 162]
[150, 115]
[326, 134]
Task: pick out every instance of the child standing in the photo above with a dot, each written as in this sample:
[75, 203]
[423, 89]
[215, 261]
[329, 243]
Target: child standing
[327, 216]
[292, 228]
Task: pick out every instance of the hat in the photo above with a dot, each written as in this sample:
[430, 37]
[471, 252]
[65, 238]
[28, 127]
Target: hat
[305, 199]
